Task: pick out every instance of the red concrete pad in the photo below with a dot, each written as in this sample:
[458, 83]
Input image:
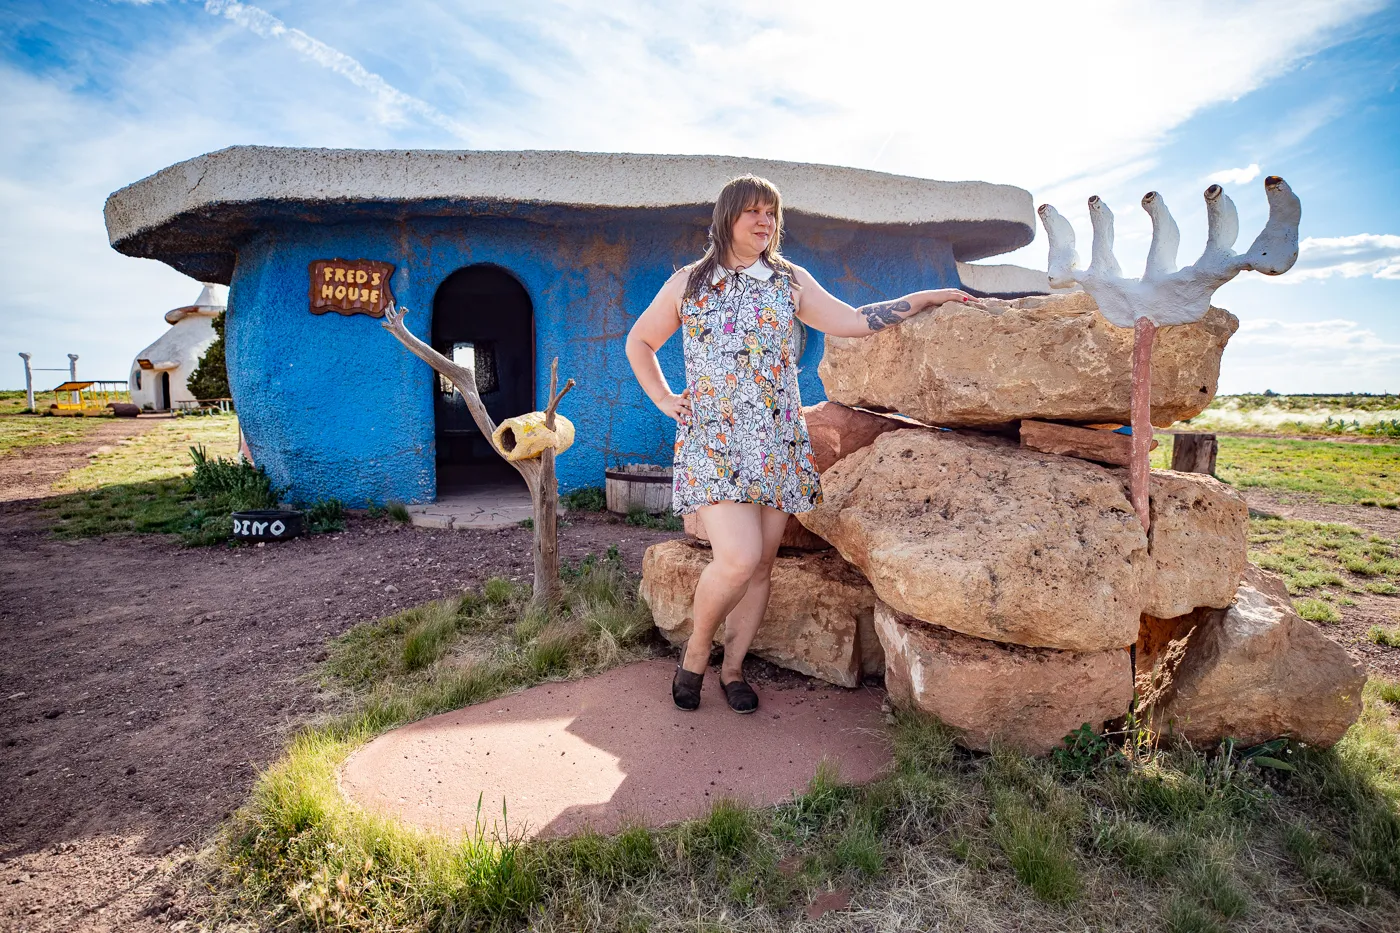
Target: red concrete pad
[612, 750]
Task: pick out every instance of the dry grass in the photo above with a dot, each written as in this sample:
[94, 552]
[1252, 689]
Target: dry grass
[1327, 471]
[19, 431]
[142, 485]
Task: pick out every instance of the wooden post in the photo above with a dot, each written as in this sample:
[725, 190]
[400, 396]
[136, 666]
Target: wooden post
[538, 471]
[1139, 472]
[1194, 453]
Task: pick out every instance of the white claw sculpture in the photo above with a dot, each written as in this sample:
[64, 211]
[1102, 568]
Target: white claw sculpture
[1165, 294]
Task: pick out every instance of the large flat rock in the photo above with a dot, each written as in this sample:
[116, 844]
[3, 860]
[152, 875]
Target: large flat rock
[610, 750]
[998, 695]
[988, 539]
[1047, 357]
[819, 609]
[977, 535]
[837, 431]
[1252, 672]
[1199, 543]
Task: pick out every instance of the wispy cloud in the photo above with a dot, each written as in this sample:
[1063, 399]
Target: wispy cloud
[394, 105]
[1351, 257]
[1235, 176]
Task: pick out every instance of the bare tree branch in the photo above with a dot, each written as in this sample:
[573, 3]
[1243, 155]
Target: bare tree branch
[538, 471]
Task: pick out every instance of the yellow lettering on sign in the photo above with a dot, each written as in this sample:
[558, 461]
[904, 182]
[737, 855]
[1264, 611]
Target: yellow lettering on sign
[374, 295]
[340, 275]
[354, 293]
[340, 291]
[361, 277]
[329, 271]
[374, 279]
[327, 291]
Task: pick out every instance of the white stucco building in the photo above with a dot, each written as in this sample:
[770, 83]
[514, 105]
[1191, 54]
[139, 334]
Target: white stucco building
[159, 372]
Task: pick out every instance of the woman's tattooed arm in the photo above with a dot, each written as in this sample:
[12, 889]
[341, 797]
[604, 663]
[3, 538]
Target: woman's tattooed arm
[818, 308]
[882, 314]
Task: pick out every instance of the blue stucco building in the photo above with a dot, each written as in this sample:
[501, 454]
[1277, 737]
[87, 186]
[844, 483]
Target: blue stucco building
[522, 257]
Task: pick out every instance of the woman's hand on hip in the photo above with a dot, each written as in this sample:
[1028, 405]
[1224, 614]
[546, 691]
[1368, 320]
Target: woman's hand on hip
[677, 406]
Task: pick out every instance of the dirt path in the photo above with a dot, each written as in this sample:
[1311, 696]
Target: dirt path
[1384, 522]
[31, 472]
[145, 684]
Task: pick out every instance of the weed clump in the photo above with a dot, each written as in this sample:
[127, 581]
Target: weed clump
[1385, 637]
[586, 499]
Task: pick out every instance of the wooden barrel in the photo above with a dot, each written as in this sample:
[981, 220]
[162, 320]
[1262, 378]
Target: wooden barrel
[638, 485]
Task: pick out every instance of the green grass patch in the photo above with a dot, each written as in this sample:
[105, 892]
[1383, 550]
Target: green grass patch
[146, 486]
[1321, 562]
[586, 499]
[20, 429]
[666, 521]
[162, 452]
[19, 432]
[1349, 474]
[1316, 610]
[1385, 637]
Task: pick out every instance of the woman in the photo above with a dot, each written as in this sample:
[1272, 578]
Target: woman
[742, 456]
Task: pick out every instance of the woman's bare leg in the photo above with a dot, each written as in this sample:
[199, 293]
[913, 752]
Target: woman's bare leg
[736, 539]
[743, 620]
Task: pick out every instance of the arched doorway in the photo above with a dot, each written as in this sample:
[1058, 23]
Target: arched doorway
[163, 391]
[484, 315]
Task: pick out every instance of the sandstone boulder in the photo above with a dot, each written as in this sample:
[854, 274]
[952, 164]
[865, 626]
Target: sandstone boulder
[819, 608]
[1252, 672]
[1199, 543]
[795, 535]
[1049, 357]
[837, 431]
[996, 694]
[989, 540]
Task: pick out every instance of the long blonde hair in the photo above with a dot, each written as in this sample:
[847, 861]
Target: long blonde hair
[736, 197]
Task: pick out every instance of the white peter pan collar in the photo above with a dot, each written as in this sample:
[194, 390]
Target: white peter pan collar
[759, 271]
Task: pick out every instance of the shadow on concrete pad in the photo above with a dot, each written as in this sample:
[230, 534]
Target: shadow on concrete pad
[610, 751]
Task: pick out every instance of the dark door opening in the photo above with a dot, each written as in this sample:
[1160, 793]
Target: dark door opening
[163, 392]
[481, 315]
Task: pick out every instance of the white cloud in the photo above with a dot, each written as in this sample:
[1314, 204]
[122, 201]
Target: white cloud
[394, 105]
[1235, 176]
[1335, 355]
[1351, 257]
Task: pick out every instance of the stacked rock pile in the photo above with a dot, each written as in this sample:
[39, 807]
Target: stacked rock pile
[1006, 586]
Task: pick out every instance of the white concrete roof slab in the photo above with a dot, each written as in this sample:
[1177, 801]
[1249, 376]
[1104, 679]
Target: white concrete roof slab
[193, 214]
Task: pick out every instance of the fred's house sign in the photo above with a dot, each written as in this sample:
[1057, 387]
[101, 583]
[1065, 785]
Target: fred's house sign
[350, 286]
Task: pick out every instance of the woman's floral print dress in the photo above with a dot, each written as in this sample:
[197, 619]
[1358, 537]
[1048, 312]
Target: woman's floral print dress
[746, 440]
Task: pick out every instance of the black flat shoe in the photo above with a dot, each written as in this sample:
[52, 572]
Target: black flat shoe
[685, 689]
[740, 695]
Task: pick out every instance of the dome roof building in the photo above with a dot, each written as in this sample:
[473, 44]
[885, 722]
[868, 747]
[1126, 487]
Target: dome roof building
[160, 372]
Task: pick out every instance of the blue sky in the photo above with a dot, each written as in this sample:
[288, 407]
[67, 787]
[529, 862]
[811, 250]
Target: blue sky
[1112, 98]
